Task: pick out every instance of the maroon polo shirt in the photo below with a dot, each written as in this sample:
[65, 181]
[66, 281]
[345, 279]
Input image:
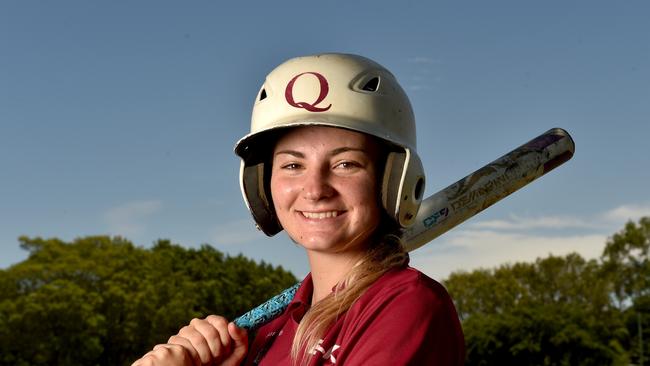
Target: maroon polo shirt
[404, 318]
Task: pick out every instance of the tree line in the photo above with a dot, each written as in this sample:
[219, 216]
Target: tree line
[561, 310]
[101, 300]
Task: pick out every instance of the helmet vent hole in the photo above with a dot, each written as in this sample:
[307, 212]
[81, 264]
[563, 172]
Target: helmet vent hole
[263, 94]
[371, 85]
[418, 189]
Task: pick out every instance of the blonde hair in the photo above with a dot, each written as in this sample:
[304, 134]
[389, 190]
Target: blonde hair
[386, 255]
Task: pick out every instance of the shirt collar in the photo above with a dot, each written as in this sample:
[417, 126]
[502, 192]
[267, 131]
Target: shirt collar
[304, 293]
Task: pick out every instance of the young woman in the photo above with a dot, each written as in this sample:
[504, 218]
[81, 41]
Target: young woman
[331, 159]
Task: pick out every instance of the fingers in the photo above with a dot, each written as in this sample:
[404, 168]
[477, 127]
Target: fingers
[240, 342]
[206, 341]
[166, 355]
[204, 333]
[221, 325]
[209, 341]
[197, 358]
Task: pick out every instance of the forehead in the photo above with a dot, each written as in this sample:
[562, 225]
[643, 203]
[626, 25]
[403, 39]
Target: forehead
[322, 136]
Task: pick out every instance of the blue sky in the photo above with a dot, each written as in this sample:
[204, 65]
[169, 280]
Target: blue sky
[120, 117]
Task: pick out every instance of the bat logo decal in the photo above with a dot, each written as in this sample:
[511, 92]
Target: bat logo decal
[436, 217]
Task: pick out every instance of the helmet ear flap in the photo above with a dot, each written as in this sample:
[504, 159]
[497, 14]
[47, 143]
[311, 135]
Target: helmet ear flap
[402, 186]
[260, 206]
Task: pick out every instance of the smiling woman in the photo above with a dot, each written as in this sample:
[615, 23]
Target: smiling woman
[331, 159]
[324, 189]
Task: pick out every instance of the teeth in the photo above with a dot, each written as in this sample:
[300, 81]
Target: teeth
[320, 215]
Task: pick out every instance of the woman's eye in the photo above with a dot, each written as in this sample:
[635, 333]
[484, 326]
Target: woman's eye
[291, 166]
[346, 165]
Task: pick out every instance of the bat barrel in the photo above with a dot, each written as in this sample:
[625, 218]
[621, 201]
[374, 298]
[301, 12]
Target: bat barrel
[488, 185]
[458, 202]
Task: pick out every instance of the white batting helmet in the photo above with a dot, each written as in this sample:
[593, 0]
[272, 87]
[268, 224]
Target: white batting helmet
[337, 90]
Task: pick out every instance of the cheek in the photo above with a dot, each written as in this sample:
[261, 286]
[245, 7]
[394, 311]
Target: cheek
[366, 195]
[281, 193]
[276, 195]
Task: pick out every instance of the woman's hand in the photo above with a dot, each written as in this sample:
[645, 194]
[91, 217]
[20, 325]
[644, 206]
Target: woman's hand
[209, 341]
[166, 355]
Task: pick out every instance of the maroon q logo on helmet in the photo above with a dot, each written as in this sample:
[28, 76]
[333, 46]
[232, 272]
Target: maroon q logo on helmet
[312, 107]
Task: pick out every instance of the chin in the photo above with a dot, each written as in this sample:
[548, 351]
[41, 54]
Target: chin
[319, 244]
[330, 243]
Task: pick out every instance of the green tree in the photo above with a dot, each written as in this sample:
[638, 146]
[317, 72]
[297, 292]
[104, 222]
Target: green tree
[555, 311]
[103, 301]
[626, 261]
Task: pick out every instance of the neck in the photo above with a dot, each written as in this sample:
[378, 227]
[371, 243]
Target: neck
[327, 270]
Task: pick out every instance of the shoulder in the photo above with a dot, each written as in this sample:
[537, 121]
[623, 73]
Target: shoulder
[403, 310]
[408, 284]
[405, 296]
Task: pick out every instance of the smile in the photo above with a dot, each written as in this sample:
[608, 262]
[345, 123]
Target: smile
[320, 215]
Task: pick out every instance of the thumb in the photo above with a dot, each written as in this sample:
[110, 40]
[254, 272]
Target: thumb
[240, 338]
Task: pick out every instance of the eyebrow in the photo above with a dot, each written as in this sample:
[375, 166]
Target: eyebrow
[334, 152]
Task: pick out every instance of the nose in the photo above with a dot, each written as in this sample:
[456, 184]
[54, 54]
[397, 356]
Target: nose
[316, 184]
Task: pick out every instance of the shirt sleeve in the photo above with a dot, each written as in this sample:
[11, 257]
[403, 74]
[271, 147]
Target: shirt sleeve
[412, 325]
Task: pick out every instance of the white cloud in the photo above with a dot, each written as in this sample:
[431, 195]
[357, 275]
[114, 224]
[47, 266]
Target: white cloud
[128, 219]
[422, 60]
[421, 75]
[543, 222]
[615, 217]
[236, 232]
[472, 249]
[488, 244]
[624, 213]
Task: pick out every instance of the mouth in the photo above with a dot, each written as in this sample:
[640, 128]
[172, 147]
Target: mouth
[320, 215]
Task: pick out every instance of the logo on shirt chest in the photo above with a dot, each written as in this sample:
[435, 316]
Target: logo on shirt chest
[326, 355]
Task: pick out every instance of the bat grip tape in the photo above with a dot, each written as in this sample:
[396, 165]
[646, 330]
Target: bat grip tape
[268, 310]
